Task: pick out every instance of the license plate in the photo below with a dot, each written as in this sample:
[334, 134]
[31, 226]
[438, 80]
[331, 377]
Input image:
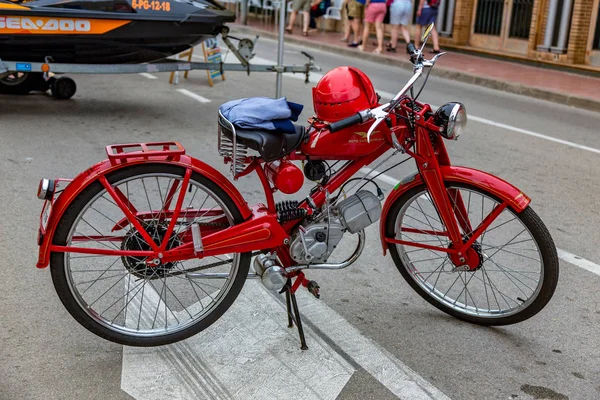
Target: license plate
[45, 217]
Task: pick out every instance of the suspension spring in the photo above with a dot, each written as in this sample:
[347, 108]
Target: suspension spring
[288, 210]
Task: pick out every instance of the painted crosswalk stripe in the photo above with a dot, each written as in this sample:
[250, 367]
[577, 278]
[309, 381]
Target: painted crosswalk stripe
[250, 353]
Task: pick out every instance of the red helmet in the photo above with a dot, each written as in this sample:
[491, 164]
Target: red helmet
[343, 92]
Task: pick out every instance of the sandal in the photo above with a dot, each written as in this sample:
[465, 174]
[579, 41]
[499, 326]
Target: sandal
[391, 49]
[377, 51]
[343, 39]
[304, 33]
[288, 30]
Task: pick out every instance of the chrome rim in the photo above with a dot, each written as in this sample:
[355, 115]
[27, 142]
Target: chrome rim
[125, 295]
[512, 270]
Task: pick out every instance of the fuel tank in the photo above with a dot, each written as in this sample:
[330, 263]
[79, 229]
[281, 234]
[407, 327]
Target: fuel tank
[346, 144]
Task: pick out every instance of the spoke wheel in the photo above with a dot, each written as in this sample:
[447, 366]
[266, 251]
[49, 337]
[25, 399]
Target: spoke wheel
[123, 298]
[516, 266]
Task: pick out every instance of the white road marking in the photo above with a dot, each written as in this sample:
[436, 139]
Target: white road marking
[250, 353]
[194, 96]
[383, 177]
[380, 363]
[147, 75]
[534, 134]
[562, 254]
[578, 261]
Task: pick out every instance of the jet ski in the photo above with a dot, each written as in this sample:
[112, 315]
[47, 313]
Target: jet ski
[106, 31]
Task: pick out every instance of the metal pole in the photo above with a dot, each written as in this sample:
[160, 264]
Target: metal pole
[550, 25]
[244, 12]
[565, 22]
[282, 8]
[450, 18]
[441, 26]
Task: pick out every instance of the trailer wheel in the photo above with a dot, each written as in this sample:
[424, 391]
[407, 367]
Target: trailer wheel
[21, 83]
[63, 88]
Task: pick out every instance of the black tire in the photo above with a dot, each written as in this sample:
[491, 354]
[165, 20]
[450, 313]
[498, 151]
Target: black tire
[63, 88]
[60, 275]
[23, 83]
[539, 233]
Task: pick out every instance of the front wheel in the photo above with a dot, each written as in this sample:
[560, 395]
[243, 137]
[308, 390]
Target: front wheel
[123, 298]
[518, 269]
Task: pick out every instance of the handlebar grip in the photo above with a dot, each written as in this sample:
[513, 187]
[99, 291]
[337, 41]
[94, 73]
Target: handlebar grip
[345, 123]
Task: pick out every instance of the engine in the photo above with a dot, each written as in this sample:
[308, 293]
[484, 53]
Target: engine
[315, 240]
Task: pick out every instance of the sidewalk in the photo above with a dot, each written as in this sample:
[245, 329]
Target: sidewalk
[552, 85]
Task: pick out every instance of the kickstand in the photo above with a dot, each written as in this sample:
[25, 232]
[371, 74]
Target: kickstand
[290, 299]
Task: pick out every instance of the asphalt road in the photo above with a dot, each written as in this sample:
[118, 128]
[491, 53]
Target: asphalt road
[46, 354]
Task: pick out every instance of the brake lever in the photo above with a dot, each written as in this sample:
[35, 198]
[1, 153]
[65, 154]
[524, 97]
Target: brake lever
[379, 114]
[373, 127]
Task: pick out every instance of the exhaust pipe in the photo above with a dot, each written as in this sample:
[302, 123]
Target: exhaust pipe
[272, 275]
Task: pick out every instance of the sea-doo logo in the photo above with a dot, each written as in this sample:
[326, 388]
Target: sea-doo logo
[32, 24]
[57, 26]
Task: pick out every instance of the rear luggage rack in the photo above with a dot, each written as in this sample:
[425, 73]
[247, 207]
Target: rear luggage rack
[122, 153]
[234, 152]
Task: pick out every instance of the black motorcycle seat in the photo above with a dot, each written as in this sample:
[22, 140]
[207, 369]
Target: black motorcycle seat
[271, 145]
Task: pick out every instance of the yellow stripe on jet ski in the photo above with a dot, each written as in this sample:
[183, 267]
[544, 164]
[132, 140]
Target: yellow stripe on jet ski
[6, 6]
[14, 25]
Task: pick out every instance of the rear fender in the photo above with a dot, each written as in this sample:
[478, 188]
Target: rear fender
[516, 199]
[92, 174]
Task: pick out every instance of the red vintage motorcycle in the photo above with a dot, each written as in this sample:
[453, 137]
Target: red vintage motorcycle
[152, 246]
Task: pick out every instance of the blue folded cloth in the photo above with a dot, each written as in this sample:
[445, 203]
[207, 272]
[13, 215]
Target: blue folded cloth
[262, 113]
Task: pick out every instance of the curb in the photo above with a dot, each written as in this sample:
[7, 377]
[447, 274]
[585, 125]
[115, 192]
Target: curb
[440, 71]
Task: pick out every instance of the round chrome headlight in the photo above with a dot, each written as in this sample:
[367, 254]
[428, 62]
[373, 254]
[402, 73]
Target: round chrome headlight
[452, 119]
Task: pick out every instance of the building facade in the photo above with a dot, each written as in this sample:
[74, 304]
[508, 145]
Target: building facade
[564, 32]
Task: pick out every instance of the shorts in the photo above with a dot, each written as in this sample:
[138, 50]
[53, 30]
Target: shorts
[348, 12]
[428, 15]
[375, 12]
[400, 12]
[356, 10]
[303, 5]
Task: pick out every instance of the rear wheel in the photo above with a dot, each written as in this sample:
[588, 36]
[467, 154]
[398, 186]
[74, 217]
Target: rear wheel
[124, 300]
[21, 83]
[517, 271]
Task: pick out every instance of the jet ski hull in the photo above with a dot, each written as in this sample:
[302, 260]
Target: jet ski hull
[77, 36]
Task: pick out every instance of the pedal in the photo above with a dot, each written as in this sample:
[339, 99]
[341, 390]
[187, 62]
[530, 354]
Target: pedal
[313, 287]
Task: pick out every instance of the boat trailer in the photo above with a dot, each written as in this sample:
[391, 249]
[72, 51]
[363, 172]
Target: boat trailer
[19, 77]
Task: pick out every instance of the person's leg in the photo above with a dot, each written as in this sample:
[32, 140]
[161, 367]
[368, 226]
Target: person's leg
[436, 39]
[291, 22]
[347, 26]
[355, 29]
[365, 36]
[305, 23]
[418, 35]
[394, 37]
[405, 33]
[379, 32]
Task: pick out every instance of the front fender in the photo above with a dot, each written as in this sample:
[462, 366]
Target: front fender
[505, 191]
[84, 179]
